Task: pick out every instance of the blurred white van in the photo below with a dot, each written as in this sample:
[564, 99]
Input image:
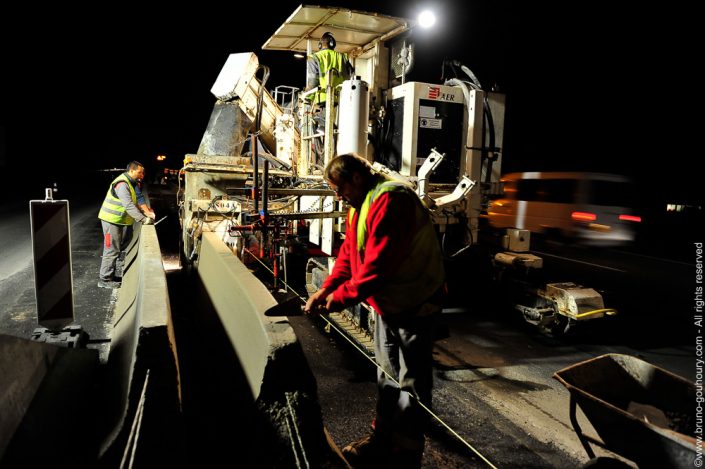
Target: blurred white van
[586, 208]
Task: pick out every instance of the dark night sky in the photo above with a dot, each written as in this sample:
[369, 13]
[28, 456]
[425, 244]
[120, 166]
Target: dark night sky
[588, 87]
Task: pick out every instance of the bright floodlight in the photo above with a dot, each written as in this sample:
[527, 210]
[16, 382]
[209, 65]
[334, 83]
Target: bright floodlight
[427, 19]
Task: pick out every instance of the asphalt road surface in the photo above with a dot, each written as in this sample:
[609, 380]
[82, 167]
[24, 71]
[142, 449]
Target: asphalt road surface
[493, 372]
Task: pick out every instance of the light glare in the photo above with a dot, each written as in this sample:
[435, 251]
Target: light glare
[427, 19]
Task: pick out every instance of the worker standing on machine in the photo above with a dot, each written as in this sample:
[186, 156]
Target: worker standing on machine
[390, 259]
[318, 66]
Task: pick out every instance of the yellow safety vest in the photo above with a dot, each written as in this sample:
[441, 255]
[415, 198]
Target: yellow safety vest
[421, 273]
[112, 209]
[329, 59]
[379, 189]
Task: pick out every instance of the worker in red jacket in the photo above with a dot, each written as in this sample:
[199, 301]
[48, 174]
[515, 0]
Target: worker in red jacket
[390, 259]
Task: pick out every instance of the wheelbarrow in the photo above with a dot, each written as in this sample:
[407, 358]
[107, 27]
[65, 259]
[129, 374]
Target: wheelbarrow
[640, 411]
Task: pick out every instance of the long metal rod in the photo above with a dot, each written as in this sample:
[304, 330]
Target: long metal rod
[264, 216]
[265, 188]
[255, 173]
[281, 191]
[309, 215]
[329, 139]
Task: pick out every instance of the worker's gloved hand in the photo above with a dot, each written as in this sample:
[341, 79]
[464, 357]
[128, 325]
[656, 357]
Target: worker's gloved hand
[147, 221]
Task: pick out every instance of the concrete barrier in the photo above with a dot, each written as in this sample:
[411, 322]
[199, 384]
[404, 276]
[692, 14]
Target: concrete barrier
[143, 339]
[64, 406]
[270, 356]
[44, 391]
[49, 386]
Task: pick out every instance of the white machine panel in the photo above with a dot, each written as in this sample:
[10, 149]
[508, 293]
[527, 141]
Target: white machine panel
[428, 116]
[353, 116]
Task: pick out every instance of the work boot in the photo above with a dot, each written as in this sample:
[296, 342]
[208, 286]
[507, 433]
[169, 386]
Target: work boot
[109, 284]
[365, 452]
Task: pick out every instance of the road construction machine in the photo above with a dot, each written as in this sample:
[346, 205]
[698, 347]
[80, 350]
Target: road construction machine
[258, 183]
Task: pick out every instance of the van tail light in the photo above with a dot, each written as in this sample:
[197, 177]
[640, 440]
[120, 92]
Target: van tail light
[583, 216]
[634, 218]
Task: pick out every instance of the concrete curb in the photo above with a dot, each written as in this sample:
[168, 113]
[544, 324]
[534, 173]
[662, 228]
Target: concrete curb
[270, 355]
[143, 339]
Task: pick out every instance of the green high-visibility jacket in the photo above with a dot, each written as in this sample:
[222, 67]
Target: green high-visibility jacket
[339, 66]
[112, 209]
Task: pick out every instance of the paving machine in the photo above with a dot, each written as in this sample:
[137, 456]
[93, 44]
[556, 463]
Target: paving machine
[257, 182]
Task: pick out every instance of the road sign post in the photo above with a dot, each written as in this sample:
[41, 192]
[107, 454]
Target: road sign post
[51, 249]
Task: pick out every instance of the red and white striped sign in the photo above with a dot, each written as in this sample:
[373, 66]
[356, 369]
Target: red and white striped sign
[434, 92]
[53, 277]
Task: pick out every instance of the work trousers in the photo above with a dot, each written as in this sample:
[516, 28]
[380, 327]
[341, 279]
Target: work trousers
[403, 348]
[115, 239]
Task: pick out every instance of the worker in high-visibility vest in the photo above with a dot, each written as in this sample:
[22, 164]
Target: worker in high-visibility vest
[392, 260]
[318, 65]
[117, 215]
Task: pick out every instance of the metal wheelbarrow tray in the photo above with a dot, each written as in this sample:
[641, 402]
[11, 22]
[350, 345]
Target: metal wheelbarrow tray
[607, 386]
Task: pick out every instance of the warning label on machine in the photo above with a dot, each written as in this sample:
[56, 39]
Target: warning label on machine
[428, 123]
